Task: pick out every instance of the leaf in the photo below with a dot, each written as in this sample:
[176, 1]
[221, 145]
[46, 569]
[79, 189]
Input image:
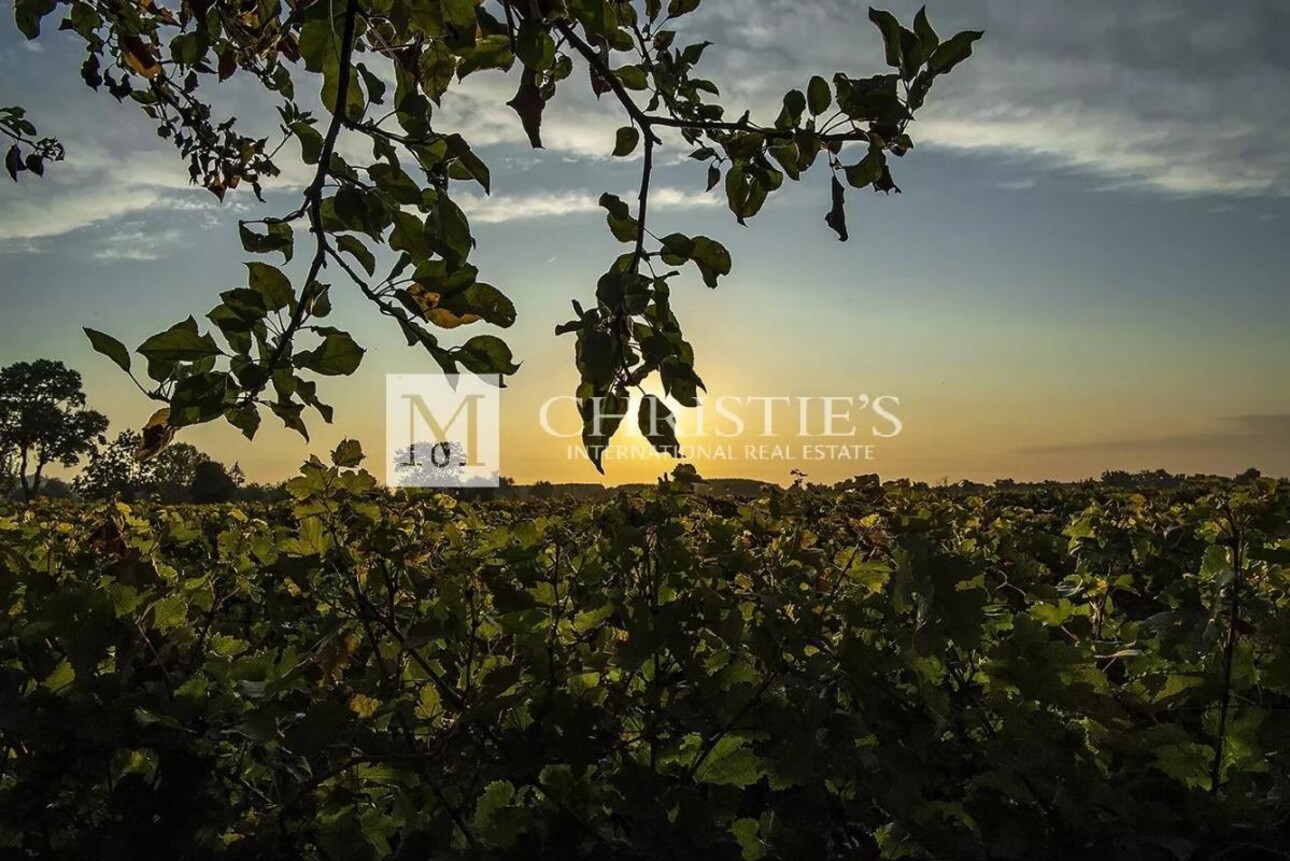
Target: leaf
[626, 140]
[110, 347]
[890, 27]
[872, 574]
[745, 833]
[62, 676]
[311, 142]
[272, 284]
[657, 425]
[179, 344]
[602, 414]
[869, 169]
[156, 435]
[529, 103]
[819, 95]
[490, 52]
[953, 52]
[349, 453]
[926, 35]
[621, 223]
[245, 419]
[139, 57]
[437, 68]
[486, 354]
[27, 15]
[363, 705]
[477, 302]
[632, 77]
[534, 46]
[169, 613]
[278, 237]
[198, 398]
[730, 764]
[13, 162]
[354, 246]
[337, 356]
[837, 215]
[712, 258]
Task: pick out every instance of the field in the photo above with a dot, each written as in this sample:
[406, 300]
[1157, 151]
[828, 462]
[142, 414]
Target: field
[858, 672]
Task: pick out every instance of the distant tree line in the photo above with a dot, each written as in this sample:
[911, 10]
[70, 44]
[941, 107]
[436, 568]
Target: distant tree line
[44, 422]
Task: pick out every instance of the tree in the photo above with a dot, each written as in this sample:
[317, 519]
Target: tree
[173, 471]
[274, 340]
[180, 473]
[43, 420]
[114, 472]
[211, 482]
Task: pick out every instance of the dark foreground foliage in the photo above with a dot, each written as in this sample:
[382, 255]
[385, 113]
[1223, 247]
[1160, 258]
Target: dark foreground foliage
[884, 672]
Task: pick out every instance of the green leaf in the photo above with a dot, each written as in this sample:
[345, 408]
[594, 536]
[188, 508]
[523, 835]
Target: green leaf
[837, 215]
[890, 27]
[198, 398]
[926, 35]
[278, 237]
[179, 344]
[602, 414]
[534, 46]
[490, 52]
[245, 419]
[632, 77]
[819, 95]
[730, 764]
[627, 139]
[712, 258]
[790, 116]
[479, 301]
[745, 833]
[868, 170]
[657, 424]
[354, 246]
[311, 142]
[272, 284]
[338, 355]
[349, 453]
[170, 612]
[27, 15]
[953, 52]
[486, 354]
[438, 66]
[110, 347]
[621, 223]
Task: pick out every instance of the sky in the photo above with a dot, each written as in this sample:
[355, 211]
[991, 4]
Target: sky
[1086, 270]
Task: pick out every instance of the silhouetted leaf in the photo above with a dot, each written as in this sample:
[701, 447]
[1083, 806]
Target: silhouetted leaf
[110, 347]
[837, 215]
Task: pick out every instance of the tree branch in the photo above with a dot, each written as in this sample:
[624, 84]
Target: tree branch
[314, 198]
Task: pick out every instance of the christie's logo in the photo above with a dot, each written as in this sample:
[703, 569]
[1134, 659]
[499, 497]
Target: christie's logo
[767, 427]
[442, 430]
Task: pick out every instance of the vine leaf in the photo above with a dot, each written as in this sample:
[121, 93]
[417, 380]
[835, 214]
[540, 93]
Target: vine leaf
[657, 424]
[837, 216]
[529, 103]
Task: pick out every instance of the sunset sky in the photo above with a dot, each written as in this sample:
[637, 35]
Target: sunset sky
[1086, 271]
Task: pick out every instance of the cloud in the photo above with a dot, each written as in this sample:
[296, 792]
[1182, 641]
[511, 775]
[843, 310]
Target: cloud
[1168, 96]
[1271, 431]
[137, 243]
[1172, 96]
[503, 208]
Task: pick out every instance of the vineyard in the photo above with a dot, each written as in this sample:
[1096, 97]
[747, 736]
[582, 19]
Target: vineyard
[867, 671]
